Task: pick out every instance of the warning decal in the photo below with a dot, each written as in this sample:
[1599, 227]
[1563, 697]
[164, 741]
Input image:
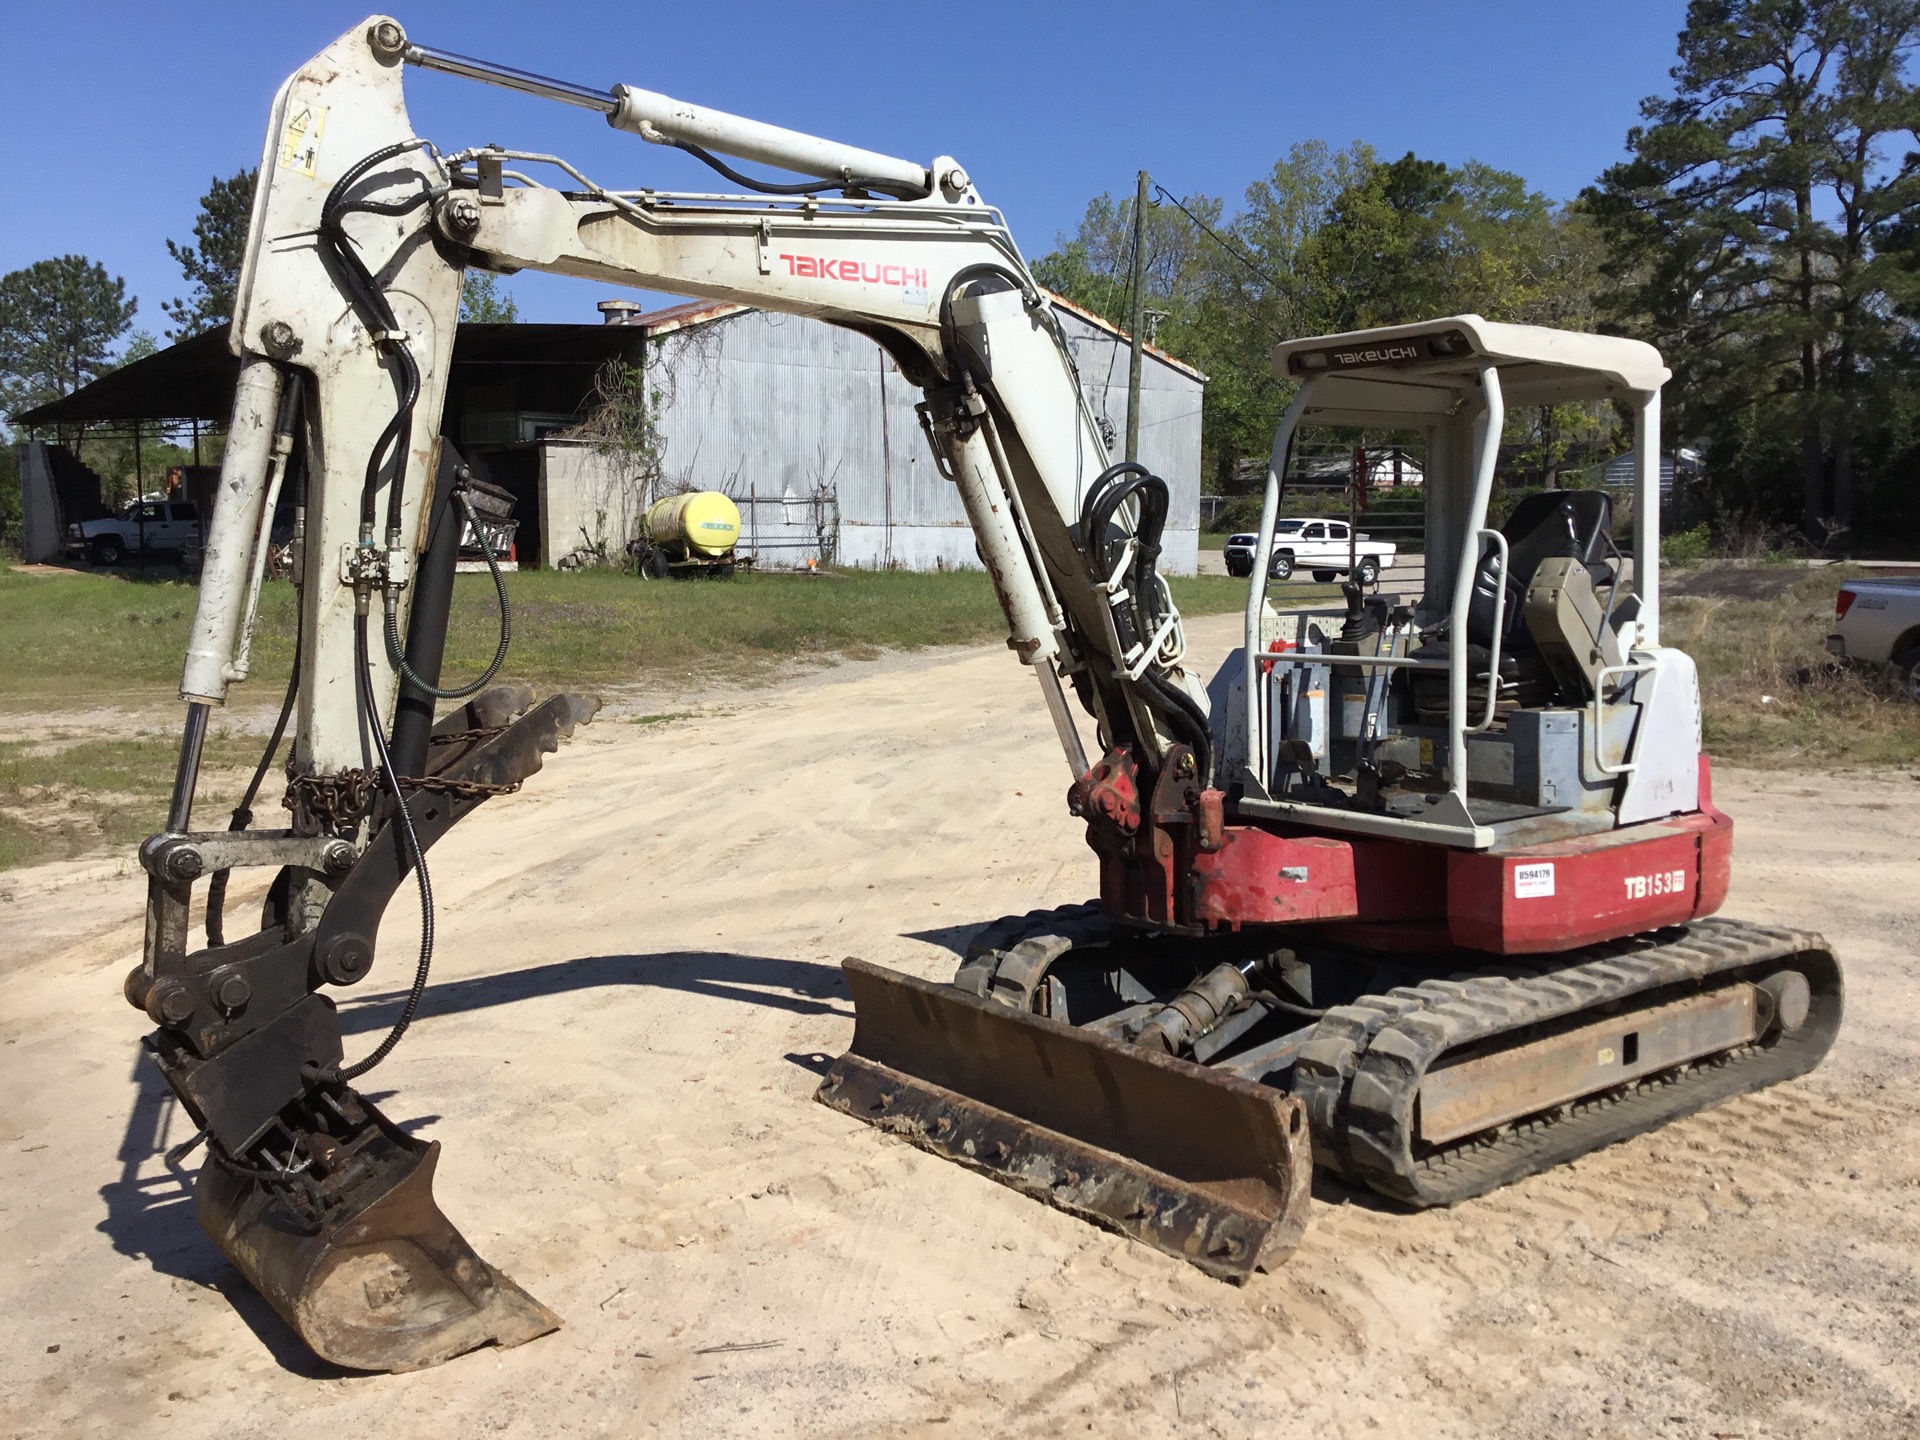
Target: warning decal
[300, 142]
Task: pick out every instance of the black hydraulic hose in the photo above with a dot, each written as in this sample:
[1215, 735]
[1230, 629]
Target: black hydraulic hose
[1110, 490]
[396, 652]
[243, 812]
[1152, 503]
[370, 304]
[1089, 540]
[1184, 717]
[804, 187]
[410, 852]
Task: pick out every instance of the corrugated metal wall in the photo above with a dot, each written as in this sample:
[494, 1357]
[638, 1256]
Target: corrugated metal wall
[1169, 426]
[767, 406]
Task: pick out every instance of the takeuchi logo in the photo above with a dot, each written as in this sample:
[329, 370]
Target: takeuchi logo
[1384, 355]
[857, 272]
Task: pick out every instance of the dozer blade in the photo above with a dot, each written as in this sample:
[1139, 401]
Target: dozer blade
[385, 1282]
[1213, 1169]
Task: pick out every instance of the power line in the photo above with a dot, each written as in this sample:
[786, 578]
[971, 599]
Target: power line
[1225, 244]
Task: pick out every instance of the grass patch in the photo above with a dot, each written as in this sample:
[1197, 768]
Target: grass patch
[77, 640]
[99, 639]
[80, 638]
[61, 797]
[1772, 695]
[73, 641]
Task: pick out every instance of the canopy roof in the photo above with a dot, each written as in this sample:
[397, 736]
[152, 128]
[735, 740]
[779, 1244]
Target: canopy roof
[1399, 374]
[194, 379]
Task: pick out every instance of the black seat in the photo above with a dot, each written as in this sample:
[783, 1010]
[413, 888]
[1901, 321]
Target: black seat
[1549, 525]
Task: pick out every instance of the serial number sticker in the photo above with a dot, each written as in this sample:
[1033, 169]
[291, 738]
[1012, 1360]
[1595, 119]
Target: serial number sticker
[300, 143]
[1662, 882]
[1533, 882]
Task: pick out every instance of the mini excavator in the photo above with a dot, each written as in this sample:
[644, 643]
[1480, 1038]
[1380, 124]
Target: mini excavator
[1415, 889]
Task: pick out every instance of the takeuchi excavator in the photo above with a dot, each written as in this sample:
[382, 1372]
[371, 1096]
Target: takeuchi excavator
[1415, 889]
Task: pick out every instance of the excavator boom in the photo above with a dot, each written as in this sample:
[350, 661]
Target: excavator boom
[344, 324]
[1416, 888]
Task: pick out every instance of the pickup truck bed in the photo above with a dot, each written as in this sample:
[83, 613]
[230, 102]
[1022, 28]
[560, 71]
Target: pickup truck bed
[1878, 621]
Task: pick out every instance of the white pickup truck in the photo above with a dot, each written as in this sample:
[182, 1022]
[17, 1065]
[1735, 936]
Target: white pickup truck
[1879, 621]
[142, 527]
[1323, 547]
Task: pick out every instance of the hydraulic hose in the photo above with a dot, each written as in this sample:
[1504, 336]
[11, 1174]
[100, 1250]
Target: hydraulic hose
[411, 852]
[370, 304]
[396, 652]
[1110, 490]
[845, 184]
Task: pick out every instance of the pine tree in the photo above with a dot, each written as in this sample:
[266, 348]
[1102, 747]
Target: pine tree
[59, 320]
[1747, 226]
[212, 263]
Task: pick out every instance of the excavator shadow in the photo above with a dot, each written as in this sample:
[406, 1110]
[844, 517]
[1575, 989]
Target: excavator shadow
[802, 987]
[954, 938]
[150, 1217]
[1329, 1189]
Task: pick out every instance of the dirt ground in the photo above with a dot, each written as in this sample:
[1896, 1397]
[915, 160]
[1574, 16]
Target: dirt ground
[635, 997]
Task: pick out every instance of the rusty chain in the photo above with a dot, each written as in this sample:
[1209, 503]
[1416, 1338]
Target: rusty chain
[342, 799]
[339, 799]
[441, 785]
[459, 737]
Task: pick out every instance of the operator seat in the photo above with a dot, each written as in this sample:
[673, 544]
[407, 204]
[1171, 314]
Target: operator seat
[1535, 669]
[1551, 525]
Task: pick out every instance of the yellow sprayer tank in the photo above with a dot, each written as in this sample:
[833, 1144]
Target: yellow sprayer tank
[703, 525]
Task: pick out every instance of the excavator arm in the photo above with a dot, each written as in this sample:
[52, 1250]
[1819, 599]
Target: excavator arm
[344, 325]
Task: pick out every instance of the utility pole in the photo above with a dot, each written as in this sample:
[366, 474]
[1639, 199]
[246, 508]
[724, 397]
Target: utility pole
[1137, 321]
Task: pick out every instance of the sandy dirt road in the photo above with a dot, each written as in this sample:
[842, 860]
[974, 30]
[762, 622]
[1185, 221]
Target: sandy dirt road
[636, 993]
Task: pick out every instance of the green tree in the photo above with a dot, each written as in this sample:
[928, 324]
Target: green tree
[482, 302]
[1408, 239]
[1333, 240]
[59, 320]
[1382, 257]
[1258, 290]
[1750, 236]
[212, 263]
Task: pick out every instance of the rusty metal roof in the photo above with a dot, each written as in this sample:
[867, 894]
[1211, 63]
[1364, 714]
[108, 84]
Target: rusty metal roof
[1101, 322]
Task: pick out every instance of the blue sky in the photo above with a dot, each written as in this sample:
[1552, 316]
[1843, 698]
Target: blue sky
[116, 114]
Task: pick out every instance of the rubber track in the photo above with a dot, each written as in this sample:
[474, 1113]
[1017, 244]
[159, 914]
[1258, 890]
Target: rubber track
[1360, 1073]
[1084, 924]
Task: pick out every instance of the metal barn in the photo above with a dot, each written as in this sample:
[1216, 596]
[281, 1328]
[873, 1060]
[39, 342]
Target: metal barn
[809, 427]
[812, 430]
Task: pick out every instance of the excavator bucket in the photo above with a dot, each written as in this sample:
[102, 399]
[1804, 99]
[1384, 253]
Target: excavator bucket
[382, 1282]
[1213, 1169]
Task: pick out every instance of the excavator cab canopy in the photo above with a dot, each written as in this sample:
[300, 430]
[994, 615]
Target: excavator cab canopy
[1400, 373]
[1453, 379]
